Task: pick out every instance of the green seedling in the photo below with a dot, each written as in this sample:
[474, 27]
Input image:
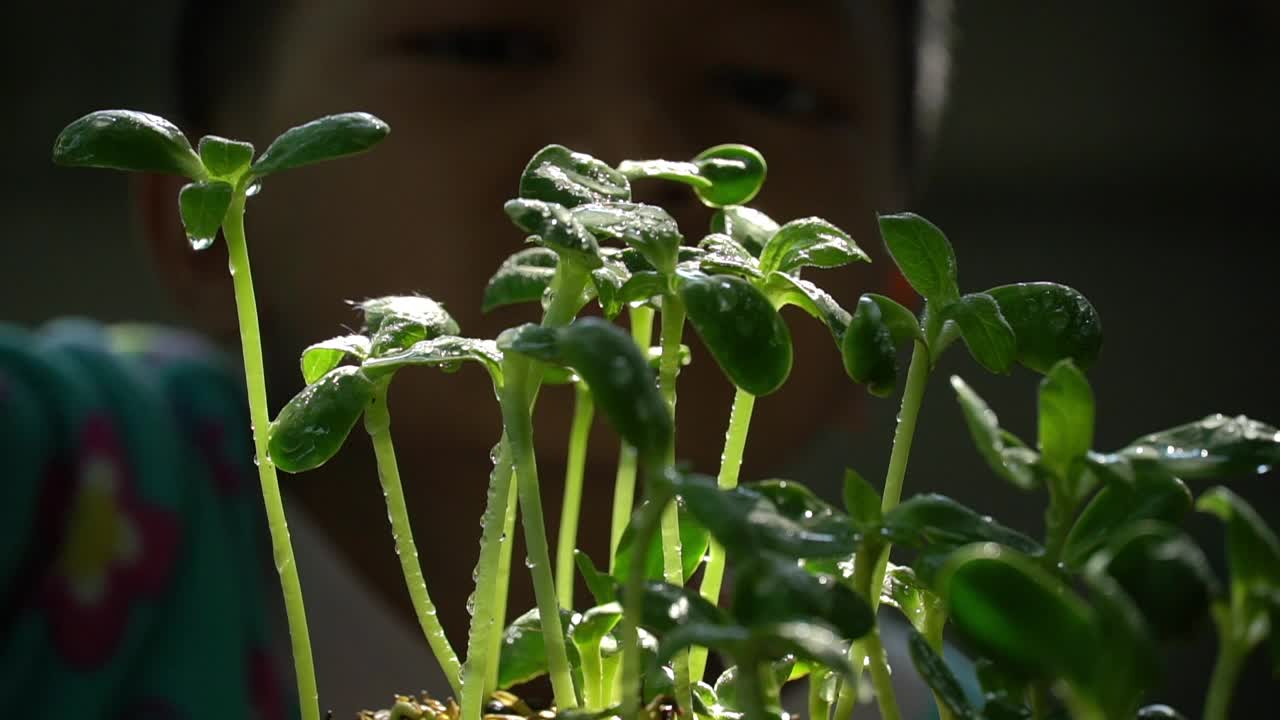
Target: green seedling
[1068, 624]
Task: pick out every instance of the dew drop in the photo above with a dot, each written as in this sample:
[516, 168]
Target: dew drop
[200, 243]
[471, 604]
[529, 563]
[1263, 469]
[254, 188]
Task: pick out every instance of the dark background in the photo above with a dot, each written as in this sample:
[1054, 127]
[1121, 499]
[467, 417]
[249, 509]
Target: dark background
[1126, 149]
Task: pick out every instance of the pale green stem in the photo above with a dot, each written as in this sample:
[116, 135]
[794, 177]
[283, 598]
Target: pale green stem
[485, 635]
[912, 398]
[255, 384]
[1039, 692]
[1226, 670]
[819, 708]
[503, 581]
[673, 317]
[377, 422]
[735, 442]
[519, 426]
[592, 678]
[624, 485]
[579, 434]
[647, 521]
[750, 690]
[881, 678]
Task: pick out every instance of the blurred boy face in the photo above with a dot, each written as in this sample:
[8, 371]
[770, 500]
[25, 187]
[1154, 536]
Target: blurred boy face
[471, 90]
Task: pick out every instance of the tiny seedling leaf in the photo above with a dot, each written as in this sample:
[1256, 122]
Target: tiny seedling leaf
[939, 677]
[771, 588]
[554, 227]
[678, 171]
[787, 289]
[321, 357]
[522, 277]
[985, 331]
[203, 205]
[808, 242]
[1153, 494]
[325, 138]
[924, 256]
[446, 351]
[1217, 446]
[396, 322]
[745, 334]
[861, 501]
[748, 226]
[1015, 464]
[930, 522]
[694, 539]
[313, 425]
[726, 256]
[127, 140]
[736, 173]
[601, 586]
[867, 348]
[523, 654]
[1051, 322]
[1253, 553]
[223, 158]
[647, 228]
[1066, 416]
[813, 642]
[559, 175]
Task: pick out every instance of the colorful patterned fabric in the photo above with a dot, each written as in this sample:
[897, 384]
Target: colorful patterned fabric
[130, 581]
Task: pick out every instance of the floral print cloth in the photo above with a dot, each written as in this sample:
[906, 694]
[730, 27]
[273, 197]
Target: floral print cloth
[130, 580]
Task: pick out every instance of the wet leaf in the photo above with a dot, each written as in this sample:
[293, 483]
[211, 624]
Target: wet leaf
[608, 280]
[127, 140]
[521, 278]
[808, 641]
[729, 639]
[557, 174]
[203, 205]
[554, 227]
[667, 607]
[809, 242]
[601, 586]
[223, 158]
[321, 357]
[939, 677]
[867, 348]
[726, 686]
[313, 425]
[770, 588]
[750, 227]
[647, 228]
[396, 322]
[801, 506]
[924, 256]
[745, 334]
[724, 255]
[903, 326]
[1164, 572]
[935, 521]
[1217, 446]
[861, 501]
[985, 331]
[1016, 613]
[326, 138]
[591, 626]
[694, 539]
[1066, 417]
[641, 286]
[1013, 462]
[786, 289]
[1051, 322]
[523, 655]
[1154, 494]
[446, 351]
[736, 173]
[682, 172]
[746, 522]
[622, 384]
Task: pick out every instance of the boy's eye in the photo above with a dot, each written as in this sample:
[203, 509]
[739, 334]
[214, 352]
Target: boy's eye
[774, 93]
[481, 45]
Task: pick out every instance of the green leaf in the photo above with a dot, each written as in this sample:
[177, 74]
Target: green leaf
[808, 641]
[1013, 463]
[935, 673]
[667, 607]
[1016, 613]
[522, 277]
[396, 322]
[870, 357]
[724, 255]
[647, 228]
[694, 539]
[557, 174]
[321, 357]
[771, 588]
[736, 173]
[1253, 554]
[985, 331]
[750, 227]
[446, 351]
[523, 655]
[905, 590]
[1164, 572]
[326, 138]
[809, 242]
[1131, 663]
[1066, 417]
[127, 140]
[745, 522]
[678, 171]
[554, 227]
[602, 586]
[903, 326]
[798, 503]
[924, 256]
[1155, 494]
[745, 334]
[729, 639]
[726, 686]
[203, 205]
[786, 289]
[622, 384]
[608, 281]
[641, 286]
[1217, 446]
[1051, 322]
[861, 501]
[313, 425]
[935, 521]
[223, 158]
[589, 628]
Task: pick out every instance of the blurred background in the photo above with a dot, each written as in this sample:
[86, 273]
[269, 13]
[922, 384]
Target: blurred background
[1128, 149]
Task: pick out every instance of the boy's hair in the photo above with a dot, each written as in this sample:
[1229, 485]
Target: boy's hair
[206, 78]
